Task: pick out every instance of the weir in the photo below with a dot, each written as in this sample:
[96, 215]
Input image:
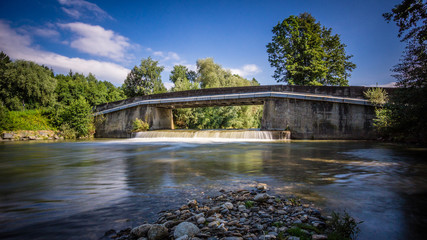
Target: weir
[252, 134]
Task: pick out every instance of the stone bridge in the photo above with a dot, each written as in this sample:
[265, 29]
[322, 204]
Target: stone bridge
[309, 112]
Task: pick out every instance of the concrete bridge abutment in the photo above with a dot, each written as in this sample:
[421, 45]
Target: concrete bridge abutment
[319, 120]
[119, 124]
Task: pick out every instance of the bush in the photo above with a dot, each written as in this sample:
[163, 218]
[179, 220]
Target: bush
[78, 116]
[25, 120]
[139, 125]
[343, 227]
[377, 96]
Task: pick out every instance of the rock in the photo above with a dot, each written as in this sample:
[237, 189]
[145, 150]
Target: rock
[261, 186]
[32, 137]
[157, 232]
[241, 208]
[319, 237]
[192, 203]
[297, 221]
[7, 136]
[213, 224]
[142, 238]
[261, 197]
[141, 231]
[232, 238]
[201, 220]
[267, 237]
[228, 205]
[293, 238]
[186, 228]
[185, 237]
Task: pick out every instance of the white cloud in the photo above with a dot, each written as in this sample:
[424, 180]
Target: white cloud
[45, 32]
[246, 70]
[98, 41]
[19, 46]
[80, 8]
[164, 57]
[390, 84]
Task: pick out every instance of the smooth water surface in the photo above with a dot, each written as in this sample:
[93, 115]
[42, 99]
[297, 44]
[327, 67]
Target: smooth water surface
[79, 190]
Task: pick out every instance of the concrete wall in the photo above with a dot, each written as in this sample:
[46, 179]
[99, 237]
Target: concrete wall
[119, 124]
[319, 120]
[350, 92]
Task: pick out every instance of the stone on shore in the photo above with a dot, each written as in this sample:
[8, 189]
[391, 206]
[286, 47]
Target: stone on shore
[261, 197]
[186, 228]
[157, 232]
[141, 231]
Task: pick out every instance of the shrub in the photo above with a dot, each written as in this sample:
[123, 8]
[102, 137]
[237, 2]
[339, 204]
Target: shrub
[377, 96]
[25, 120]
[343, 227]
[139, 125]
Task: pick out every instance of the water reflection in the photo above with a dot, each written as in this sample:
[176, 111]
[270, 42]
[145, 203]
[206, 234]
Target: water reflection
[52, 190]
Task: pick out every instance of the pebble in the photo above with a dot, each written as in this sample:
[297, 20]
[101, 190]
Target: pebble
[226, 217]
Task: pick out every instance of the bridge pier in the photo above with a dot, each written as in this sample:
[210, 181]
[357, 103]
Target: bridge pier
[119, 124]
[319, 120]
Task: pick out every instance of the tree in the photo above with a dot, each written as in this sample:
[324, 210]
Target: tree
[406, 112]
[25, 82]
[145, 79]
[211, 75]
[180, 77]
[305, 53]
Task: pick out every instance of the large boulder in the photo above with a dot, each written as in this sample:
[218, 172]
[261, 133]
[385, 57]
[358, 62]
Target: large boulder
[157, 232]
[185, 228]
[141, 231]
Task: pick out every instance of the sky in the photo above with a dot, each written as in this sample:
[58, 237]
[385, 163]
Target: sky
[107, 38]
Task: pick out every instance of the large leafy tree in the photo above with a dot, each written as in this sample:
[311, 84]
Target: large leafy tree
[305, 53]
[145, 79]
[24, 82]
[405, 116]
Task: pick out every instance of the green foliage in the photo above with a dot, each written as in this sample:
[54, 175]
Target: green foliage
[74, 85]
[305, 53]
[25, 120]
[140, 125]
[67, 132]
[308, 227]
[181, 77]
[249, 204]
[377, 96]
[78, 116]
[298, 232]
[145, 79]
[212, 75]
[404, 118]
[343, 226]
[24, 82]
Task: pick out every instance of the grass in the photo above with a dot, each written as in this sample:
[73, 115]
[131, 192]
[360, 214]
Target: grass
[298, 232]
[249, 204]
[344, 227]
[32, 120]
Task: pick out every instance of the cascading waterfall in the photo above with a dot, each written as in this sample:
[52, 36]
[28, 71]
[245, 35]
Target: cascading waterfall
[215, 134]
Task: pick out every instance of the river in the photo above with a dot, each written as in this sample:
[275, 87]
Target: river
[80, 189]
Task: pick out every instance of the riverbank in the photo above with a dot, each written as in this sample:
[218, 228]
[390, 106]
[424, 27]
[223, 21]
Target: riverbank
[26, 135]
[243, 214]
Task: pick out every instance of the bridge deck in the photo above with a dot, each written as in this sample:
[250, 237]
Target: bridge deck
[255, 98]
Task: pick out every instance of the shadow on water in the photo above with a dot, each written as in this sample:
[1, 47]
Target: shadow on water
[76, 190]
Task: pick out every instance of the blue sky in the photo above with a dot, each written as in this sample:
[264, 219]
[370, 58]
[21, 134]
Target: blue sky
[108, 38]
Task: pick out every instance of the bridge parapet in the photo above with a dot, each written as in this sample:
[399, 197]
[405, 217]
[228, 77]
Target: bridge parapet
[346, 92]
